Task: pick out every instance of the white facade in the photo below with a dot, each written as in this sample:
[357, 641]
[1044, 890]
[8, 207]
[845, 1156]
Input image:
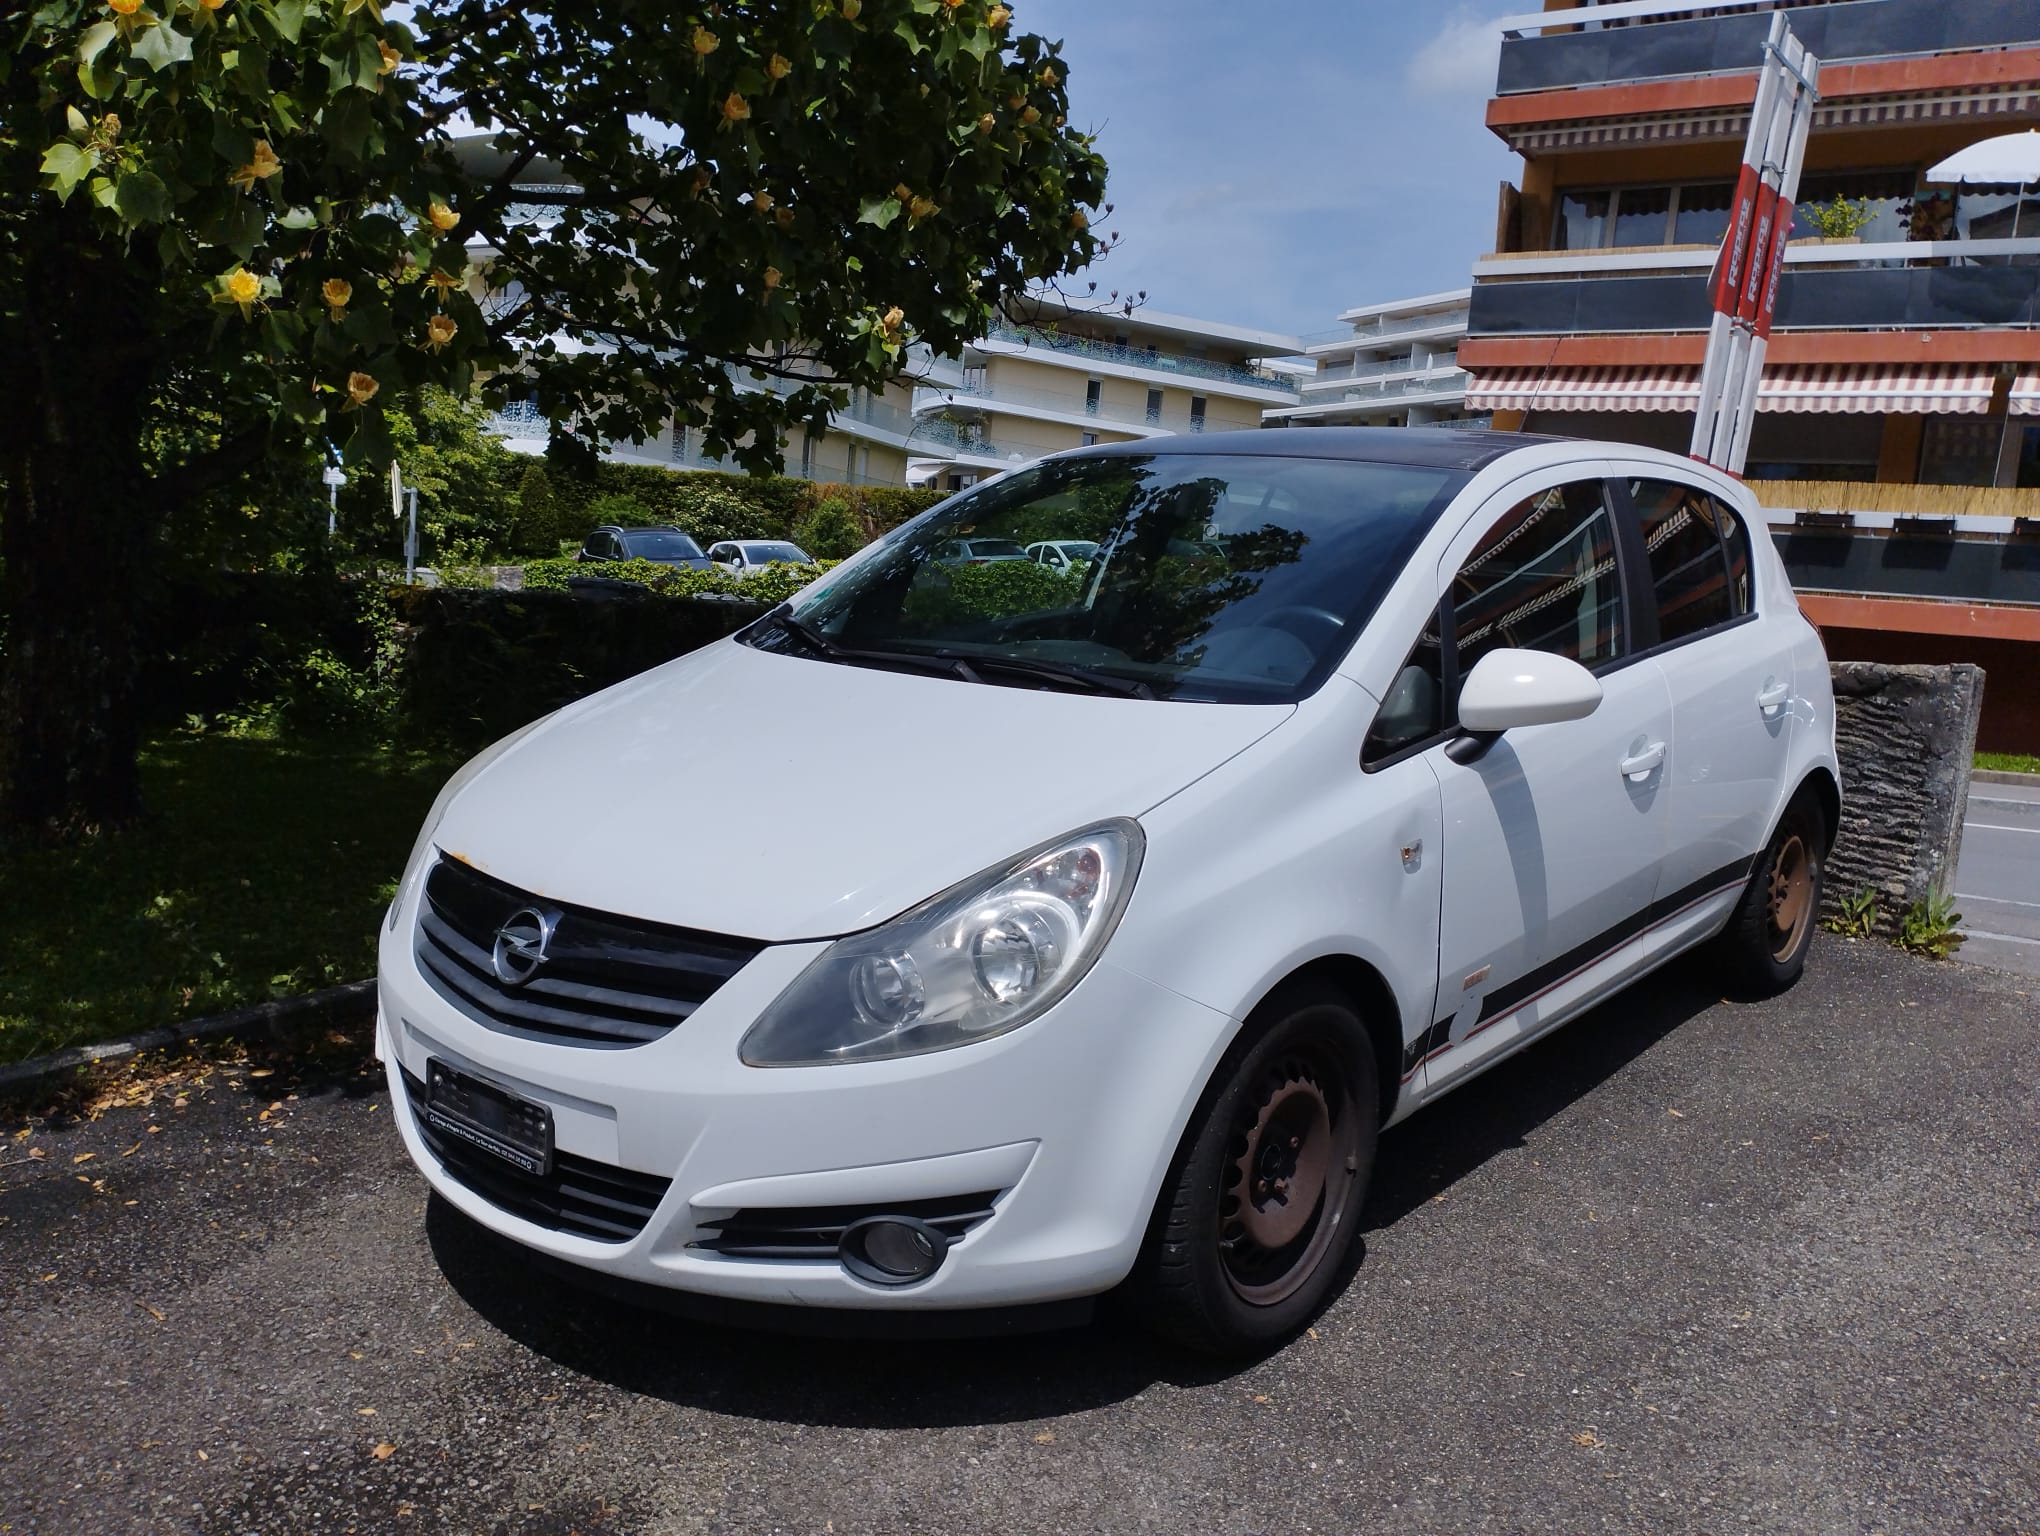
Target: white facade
[1394, 365]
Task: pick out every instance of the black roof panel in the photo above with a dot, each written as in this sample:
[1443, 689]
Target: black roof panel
[1466, 448]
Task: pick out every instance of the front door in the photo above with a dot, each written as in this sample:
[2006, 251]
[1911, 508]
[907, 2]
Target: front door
[1553, 836]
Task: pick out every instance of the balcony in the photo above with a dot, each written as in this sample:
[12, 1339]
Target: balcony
[1261, 381]
[1642, 47]
[1943, 284]
[942, 439]
[1049, 405]
[1447, 379]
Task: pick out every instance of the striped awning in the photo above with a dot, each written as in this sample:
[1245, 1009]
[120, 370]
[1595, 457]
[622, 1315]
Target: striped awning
[2025, 396]
[1961, 389]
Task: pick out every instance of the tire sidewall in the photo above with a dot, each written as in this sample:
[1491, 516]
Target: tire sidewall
[1313, 1014]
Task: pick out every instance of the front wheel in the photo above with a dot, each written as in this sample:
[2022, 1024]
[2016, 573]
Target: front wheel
[1764, 946]
[1261, 1208]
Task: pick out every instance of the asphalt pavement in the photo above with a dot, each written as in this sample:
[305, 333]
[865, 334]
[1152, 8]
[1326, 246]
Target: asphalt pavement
[1997, 877]
[1688, 1266]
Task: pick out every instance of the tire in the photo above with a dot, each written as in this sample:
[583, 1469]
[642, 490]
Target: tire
[1234, 1260]
[1764, 946]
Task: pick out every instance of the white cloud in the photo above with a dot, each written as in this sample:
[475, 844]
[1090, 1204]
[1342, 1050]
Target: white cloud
[1459, 61]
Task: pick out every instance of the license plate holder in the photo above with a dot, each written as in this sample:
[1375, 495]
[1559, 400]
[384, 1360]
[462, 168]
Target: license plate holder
[506, 1126]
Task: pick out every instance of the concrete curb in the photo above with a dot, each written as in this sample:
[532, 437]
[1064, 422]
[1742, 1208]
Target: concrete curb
[282, 1023]
[2001, 776]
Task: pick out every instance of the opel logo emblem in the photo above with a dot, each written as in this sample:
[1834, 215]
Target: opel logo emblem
[521, 944]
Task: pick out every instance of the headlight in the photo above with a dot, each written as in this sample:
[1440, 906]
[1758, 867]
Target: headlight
[982, 958]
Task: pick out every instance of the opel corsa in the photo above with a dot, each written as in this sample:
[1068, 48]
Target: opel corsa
[1126, 903]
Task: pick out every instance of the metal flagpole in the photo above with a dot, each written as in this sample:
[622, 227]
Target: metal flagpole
[1761, 293]
[1727, 278]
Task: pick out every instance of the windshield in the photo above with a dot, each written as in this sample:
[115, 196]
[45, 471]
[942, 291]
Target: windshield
[765, 554]
[1234, 578]
[660, 544]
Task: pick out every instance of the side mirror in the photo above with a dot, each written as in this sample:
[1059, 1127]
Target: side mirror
[1508, 689]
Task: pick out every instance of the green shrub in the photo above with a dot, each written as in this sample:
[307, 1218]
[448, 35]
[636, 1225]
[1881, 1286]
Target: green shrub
[535, 526]
[831, 531]
[713, 513]
[775, 584]
[621, 510]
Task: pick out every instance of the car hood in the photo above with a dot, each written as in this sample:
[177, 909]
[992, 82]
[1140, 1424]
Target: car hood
[777, 797]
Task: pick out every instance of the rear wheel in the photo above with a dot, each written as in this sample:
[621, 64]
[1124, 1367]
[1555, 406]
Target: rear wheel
[1765, 943]
[1261, 1210]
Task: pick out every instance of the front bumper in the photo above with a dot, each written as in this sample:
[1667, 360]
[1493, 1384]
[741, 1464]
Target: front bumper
[1071, 1120]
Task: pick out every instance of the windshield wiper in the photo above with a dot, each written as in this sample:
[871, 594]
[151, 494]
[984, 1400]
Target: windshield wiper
[822, 645]
[1088, 679]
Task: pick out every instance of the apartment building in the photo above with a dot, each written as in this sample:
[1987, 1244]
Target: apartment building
[1386, 365]
[1074, 375]
[1897, 439]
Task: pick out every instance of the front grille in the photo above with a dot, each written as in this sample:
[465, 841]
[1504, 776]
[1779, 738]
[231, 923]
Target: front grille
[580, 1195]
[606, 981]
[816, 1231]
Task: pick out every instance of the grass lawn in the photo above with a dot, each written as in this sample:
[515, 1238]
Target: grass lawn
[2008, 762]
[263, 872]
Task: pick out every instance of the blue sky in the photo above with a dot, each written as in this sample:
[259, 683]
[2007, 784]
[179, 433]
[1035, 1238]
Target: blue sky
[1277, 161]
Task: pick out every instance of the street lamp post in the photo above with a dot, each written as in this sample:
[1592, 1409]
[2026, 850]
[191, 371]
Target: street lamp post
[334, 479]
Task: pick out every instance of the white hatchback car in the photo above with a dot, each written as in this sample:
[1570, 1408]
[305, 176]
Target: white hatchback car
[1354, 761]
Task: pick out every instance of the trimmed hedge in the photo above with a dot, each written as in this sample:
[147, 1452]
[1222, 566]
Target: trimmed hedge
[773, 585]
[478, 664]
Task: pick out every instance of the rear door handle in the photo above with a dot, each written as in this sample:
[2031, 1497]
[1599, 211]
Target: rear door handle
[1773, 695]
[1639, 765]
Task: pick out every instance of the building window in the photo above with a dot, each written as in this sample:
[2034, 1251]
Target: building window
[1641, 216]
[1090, 438]
[1582, 221]
[679, 441]
[1197, 413]
[1960, 450]
[1154, 407]
[807, 455]
[1093, 390]
[1701, 216]
[1892, 207]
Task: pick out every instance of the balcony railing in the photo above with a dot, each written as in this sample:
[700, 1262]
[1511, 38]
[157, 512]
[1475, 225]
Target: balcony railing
[1732, 42]
[943, 437]
[1433, 381]
[1140, 357]
[1825, 287]
[983, 395]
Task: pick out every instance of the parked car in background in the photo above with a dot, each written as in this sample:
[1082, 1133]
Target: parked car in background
[740, 557]
[978, 551]
[666, 545]
[1144, 914]
[1061, 554]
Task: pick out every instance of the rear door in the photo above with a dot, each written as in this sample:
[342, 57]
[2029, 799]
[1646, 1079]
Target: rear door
[1553, 837]
[1730, 676]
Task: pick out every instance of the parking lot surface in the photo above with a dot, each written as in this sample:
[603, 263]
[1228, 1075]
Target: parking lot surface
[1688, 1266]
[1997, 879]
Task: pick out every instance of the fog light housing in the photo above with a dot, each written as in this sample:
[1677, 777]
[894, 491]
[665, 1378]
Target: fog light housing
[892, 1250]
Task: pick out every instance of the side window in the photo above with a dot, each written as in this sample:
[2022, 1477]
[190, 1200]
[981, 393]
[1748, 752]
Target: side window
[1413, 709]
[1543, 579]
[1682, 533]
[1735, 538]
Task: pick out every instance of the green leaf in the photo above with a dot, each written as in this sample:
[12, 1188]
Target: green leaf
[161, 46]
[142, 198]
[905, 29]
[370, 441]
[978, 44]
[347, 122]
[878, 210]
[94, 42]
[298, 218]
[66, 165]
[98, 79]
[289, 16]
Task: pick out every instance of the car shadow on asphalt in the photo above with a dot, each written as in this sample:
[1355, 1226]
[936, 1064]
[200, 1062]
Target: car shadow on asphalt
[937, 1383]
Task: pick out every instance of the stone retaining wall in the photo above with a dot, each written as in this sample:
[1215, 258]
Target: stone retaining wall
[1905, 736]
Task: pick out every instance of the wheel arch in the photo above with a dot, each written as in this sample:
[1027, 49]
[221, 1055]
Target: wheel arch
[1372, 997]
[1826, 790]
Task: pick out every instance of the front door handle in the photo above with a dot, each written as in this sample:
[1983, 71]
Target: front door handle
[1639, 765]
[1773, 695]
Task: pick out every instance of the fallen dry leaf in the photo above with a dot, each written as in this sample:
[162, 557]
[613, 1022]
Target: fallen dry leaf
[203, 1457]
[366, 1413]
[1676, 1114]
[158, 1316]
[1046, 1437]
[131, 1151]
[384, 1451]
[1589, 1439]
[35, 1154]
[1261, 1397]
[84, 1157]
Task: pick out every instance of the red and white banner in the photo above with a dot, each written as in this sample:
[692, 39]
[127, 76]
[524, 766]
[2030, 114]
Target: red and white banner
[1744, 284]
